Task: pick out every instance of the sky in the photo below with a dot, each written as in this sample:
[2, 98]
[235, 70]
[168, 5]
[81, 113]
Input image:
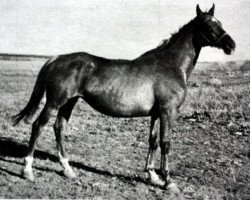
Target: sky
[113, 28]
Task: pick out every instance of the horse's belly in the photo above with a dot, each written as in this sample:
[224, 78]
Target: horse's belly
[135, 102]
[123, 100]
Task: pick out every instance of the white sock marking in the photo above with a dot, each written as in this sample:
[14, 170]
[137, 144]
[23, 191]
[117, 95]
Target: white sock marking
[64, 162]
[28, 163]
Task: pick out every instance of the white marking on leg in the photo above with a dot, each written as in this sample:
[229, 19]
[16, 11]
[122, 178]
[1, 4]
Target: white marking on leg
[154, 178]
[28, 163]
[27, 171]
[64, 161]
[68, 171]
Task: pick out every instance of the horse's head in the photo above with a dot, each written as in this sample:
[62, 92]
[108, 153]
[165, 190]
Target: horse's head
[211, 33]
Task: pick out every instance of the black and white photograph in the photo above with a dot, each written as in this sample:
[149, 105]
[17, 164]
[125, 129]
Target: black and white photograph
[115, 99]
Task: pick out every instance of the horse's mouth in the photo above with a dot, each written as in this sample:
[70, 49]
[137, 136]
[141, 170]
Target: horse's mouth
[227, 50]
[228, 45]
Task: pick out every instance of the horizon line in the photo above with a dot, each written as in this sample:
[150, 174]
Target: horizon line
[50, 56]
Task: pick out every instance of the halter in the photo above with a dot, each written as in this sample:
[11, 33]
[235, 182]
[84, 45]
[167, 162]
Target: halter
[217, 40]
[222, 36]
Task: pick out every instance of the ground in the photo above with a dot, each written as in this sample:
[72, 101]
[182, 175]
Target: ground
[209, 153]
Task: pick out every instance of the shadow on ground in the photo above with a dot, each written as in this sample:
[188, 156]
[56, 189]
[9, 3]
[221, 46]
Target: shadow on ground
[10, 148]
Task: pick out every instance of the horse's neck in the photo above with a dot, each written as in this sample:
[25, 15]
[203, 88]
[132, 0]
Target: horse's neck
[184, 51]
[187, 56]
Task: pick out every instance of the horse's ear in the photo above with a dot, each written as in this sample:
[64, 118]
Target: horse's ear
[211, 11]
[198, 11]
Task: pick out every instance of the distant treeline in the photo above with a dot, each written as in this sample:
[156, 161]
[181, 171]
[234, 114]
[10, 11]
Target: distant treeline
[25, 57]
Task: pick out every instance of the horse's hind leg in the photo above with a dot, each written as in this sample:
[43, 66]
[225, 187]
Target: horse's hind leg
[63, 116]
[153, 145]
[37, 126]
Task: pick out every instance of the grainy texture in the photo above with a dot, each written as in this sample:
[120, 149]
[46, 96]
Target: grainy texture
[209, 154]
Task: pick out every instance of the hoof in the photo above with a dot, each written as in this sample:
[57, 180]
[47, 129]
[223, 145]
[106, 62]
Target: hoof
[154, 179]
[28, 175]
[69, 173]
[173, 188]
[157, 182]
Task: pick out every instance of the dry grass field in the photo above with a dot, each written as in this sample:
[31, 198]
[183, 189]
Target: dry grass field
[209, 155]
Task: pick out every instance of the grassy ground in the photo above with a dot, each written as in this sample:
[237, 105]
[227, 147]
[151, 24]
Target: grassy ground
[209, 156]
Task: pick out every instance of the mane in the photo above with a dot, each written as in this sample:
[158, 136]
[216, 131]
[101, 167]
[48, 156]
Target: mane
[166, 43]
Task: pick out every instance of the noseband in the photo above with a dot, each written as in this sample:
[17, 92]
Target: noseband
[217, 40]
[222, 36]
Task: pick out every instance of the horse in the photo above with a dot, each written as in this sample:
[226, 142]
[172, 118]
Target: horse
[153, 84]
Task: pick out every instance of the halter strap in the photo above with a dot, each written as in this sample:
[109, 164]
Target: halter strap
[217, 40]
[223, 35]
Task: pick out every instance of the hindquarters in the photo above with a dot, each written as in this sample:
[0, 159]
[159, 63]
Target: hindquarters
[65, 76]
[60, 78]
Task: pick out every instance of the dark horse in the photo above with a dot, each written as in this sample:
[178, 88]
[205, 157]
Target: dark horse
[154, 84]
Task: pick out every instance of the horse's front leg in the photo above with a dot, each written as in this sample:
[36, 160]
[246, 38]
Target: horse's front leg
[153, 145]
[167, 117]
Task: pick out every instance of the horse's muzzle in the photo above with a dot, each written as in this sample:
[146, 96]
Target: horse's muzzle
[228, 44]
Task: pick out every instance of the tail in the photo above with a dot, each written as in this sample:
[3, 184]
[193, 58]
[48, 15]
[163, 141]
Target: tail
[35, 98]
